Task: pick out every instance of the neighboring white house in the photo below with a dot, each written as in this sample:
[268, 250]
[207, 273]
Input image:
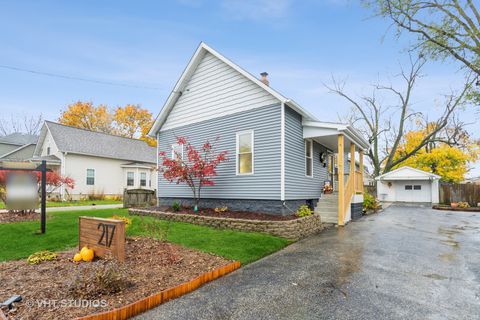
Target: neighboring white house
[99, 163]
[407, 184]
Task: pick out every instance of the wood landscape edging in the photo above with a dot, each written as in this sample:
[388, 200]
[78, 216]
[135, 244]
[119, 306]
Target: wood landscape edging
[140, 306]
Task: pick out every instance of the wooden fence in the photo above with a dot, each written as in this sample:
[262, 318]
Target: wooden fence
[450, 192]
[135, 198]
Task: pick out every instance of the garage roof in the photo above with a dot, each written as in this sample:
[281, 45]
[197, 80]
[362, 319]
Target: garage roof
[408, 173]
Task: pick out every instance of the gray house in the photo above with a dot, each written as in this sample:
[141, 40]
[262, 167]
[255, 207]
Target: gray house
[280, 155]
[17, 146]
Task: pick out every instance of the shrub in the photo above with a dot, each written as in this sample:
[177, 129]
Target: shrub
[304, 211]
[221, 209]
[106, 276]
[127, 221]
[41, 256]
[176, 206]
[96, 196]
[369, 202]
[463, 205]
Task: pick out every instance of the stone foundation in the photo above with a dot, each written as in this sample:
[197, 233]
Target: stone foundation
[275, 207]
[290, 229]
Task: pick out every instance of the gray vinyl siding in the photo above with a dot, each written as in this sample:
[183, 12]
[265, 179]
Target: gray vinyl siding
[263, 184]
[216, 89]
[297, 184]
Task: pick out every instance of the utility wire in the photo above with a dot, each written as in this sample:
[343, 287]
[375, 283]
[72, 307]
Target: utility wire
[54, 75]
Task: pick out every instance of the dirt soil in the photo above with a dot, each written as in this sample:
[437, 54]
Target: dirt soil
[8, 217]
[151, 266]
[229, 214]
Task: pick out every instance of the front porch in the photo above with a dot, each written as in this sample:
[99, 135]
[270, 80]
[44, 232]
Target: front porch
[346, 147]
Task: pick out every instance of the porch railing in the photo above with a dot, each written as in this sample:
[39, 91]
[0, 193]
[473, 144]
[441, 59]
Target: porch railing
[347, 199]
[358, 182]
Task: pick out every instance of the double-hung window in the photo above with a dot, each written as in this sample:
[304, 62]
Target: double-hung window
[177, 151]
[245, 152]
[130, 179]
[309, 158]
[90, 177]
[143, 179]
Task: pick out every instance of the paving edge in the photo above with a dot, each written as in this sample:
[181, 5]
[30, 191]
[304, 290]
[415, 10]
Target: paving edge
[157, 299]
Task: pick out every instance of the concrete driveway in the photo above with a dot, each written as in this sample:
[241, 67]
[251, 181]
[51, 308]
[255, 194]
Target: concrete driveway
[405, 263]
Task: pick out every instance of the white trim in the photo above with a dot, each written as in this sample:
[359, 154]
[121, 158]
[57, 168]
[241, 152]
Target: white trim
[282, 152]
[311, 157]
[172, 150]
[237, 149]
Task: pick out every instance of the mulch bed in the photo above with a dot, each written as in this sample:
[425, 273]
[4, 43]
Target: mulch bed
[9, 217]
[151, 266]
[228, 214]
[471, 209]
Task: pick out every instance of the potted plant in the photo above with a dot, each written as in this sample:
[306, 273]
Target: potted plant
[454, 204]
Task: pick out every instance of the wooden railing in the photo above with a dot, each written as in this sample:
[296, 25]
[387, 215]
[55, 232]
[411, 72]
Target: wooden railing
[358, 182]
[348, 194]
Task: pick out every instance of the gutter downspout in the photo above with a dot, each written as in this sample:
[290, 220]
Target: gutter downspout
[282, 152]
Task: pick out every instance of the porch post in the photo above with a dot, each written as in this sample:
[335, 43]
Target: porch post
[352, 165]
[360, 155]
[341, 183]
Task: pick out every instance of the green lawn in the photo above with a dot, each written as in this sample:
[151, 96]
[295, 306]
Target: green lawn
[19, 240]
[75, 203]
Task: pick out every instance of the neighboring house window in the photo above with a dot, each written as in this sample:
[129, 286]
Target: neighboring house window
[417, 187]
[309, 158]
[143, 179]
[177, 151]
[48, 151]
[245, 153]
[90, 177]
[130, 179]
[408, 187]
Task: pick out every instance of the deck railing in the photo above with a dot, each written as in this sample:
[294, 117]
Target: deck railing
[347, 199]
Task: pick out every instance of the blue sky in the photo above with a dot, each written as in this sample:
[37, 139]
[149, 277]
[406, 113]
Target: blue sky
[148, 43]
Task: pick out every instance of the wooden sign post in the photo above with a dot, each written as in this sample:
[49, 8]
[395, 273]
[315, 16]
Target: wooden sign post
[104, 236]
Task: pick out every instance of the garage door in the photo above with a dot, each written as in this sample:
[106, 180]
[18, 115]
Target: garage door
[413, 191]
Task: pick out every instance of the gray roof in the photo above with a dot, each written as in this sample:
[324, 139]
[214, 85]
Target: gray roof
[19, 139]
[82, 141]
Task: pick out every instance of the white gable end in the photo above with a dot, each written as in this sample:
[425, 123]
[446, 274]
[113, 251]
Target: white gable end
[407, 173]
[214, 90]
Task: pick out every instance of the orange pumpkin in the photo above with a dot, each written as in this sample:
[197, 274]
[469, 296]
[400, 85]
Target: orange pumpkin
[77, 257]
[87, 254]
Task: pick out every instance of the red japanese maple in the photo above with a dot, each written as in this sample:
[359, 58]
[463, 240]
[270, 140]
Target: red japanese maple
[197, 170]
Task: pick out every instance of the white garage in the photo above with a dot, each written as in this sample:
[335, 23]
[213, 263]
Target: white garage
[407, 184]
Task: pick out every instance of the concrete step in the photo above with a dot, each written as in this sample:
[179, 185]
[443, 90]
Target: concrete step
[333, 220]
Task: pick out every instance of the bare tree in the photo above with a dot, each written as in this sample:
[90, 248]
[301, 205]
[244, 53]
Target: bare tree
[385, 126]
[26, 124]
[445, 28]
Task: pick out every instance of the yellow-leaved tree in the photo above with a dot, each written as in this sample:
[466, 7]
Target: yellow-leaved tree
[87, 116]
[130, 121]
[449, 162]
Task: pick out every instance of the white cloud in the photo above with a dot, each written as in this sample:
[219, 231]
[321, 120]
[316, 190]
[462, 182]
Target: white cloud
[256, 9]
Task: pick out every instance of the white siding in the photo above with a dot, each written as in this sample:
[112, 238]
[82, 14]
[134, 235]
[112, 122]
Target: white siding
[215, 90]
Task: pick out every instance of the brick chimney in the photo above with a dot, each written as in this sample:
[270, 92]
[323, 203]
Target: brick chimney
[264, 78]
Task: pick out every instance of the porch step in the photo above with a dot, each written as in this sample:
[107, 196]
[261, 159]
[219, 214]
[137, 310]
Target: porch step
[327, 207]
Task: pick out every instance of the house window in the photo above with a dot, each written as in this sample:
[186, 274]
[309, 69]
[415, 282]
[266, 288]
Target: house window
[408, 187]
[143, 179]
[309, 158]
[48, 151]
[90, 177]
[417, 187]
[177, 151]
[245, 153]
[130, 179]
